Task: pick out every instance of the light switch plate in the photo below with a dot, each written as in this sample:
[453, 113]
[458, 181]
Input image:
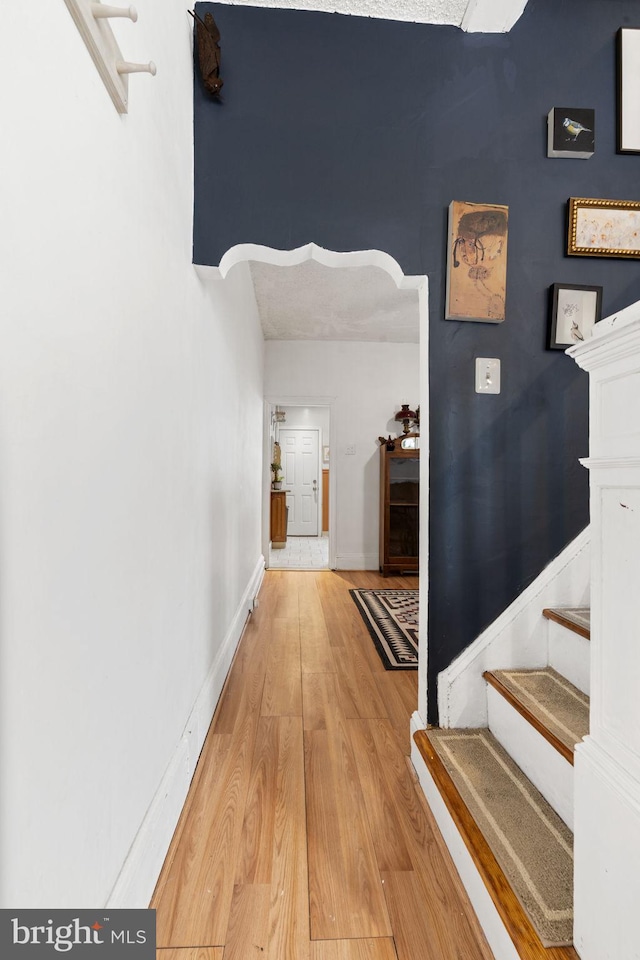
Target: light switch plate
[487, 375]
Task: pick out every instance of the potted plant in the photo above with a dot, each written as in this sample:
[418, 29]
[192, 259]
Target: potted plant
[277, 475]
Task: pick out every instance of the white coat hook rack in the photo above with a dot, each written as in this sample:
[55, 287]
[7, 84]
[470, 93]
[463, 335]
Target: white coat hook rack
[92, 20]
[123, 67]
[103, 12]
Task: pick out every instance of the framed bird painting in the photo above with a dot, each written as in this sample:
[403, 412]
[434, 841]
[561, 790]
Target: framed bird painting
[574, 312]
[571, 132]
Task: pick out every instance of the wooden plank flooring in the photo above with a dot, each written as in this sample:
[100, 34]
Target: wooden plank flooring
[304, 836]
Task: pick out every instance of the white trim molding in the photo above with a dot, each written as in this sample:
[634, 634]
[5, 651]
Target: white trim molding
[242, 252]
[357, 561]
[623, 463]
[492, 16]
[416, 723]
[616, 338]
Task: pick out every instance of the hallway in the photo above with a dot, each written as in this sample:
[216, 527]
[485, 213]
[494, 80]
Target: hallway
[303, 836]
[301, 553]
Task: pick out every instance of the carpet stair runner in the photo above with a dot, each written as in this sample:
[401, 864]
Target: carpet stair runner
[557, 709]
[577, 619]
[509, 792]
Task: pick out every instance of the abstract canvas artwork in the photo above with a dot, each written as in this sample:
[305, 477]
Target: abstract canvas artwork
[476, 262]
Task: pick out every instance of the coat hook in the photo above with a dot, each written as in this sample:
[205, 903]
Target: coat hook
[122, 66]
[101, 11]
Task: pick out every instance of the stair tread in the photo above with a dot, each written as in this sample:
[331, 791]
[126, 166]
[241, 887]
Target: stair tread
[557, 709]
[521, 847]
[577, 619]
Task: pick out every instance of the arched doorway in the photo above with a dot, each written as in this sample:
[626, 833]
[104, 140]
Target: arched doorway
[358, 296]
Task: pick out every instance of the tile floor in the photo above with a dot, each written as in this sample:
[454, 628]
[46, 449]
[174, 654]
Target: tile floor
[301, 553]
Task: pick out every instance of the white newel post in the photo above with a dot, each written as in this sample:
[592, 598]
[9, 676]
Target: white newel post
[607, 763]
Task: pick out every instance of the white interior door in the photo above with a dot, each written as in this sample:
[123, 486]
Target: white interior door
[300, 457]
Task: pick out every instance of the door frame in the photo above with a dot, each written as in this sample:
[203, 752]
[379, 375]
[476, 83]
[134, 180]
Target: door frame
[243, 253]
[281, 400]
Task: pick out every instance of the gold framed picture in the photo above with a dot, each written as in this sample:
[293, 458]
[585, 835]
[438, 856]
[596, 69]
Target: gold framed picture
[603, 228]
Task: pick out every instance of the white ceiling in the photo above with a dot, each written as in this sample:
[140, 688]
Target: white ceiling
[310, 301]
[479, 16]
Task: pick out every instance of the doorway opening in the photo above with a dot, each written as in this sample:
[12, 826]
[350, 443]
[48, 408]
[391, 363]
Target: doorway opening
[299, 441]
[349, 326]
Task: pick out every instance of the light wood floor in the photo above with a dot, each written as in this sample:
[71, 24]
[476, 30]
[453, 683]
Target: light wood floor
[303, 836]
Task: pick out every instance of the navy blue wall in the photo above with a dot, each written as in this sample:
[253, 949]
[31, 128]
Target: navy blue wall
[357, 133]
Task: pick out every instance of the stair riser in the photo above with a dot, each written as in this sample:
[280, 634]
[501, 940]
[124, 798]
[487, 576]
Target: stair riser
[537, 758]
[569, 654]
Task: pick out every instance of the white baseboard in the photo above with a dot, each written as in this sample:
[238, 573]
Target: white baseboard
[416, 723]
[357, 561]
[494, 930]
[517, 638]
[138, 876]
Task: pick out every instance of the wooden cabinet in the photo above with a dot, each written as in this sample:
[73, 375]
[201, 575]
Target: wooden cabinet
[399, 509]
[278, 519]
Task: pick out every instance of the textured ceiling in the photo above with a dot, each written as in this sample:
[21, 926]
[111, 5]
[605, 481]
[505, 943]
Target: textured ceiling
[313, 302]
[490, 16]
[418, 11]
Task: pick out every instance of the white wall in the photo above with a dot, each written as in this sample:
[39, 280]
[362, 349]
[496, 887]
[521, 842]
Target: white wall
[368, 381]
[130, 500]
[309, 417]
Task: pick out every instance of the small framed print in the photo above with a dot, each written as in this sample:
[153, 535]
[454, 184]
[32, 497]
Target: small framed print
[325, 455]
[571, 132]
[574, 312]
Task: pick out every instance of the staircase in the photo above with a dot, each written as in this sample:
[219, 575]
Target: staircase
[503, 796]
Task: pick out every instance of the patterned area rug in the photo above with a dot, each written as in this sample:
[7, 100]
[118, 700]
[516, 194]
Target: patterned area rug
[391, 617]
